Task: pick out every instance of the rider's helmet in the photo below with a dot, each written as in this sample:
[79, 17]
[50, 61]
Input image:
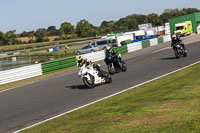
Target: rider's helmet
[114, 52]
[173, 36]
[107, 49]
[79, 59]
[87, 62]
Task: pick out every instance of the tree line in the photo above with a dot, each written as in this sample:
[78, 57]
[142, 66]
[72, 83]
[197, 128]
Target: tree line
[86, 29]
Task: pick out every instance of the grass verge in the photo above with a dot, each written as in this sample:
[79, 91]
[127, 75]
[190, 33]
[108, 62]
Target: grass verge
[170, 104]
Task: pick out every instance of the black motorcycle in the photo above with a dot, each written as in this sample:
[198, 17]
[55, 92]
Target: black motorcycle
[114, 64]
[179, 50]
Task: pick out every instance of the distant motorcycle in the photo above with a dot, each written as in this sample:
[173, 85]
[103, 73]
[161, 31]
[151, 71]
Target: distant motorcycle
[179, 50]
[91, 77]
[114, 64]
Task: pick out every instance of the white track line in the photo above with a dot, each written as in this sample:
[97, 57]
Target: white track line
[107, 97]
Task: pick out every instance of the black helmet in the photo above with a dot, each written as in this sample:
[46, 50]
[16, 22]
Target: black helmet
[113, 51]
[107, 49]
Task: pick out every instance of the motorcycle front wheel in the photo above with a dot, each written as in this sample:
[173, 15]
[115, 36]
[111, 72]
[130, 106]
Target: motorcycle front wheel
[111, 69]
[88, 83]
[185, 53]
[176, 53]
[124, 66]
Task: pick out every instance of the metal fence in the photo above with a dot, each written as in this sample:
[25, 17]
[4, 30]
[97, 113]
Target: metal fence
[57, 65]
[20, 73]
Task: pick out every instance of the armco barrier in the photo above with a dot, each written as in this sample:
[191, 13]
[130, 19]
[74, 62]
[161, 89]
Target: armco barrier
[122, 49]
[100, 55]
[167, 38]
[17, 74]
[160, 40]
[95, 56]
[134, 46]
[154, 42]
[145, 43]
[53, 66]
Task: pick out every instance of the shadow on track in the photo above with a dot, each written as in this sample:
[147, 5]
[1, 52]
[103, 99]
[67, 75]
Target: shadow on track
[81, 87]
[169, 58]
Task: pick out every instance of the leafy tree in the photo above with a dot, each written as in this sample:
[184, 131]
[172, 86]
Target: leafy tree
[122, 24]
[105, 23]
[130, 22]
[2, 37]
[31, 34]
[154, 19]
[40, 35]
[141, 19]
[109, 27]
[26, 34]
[8, 38]
[190, 10]
[11, 37]
[51, 28]
[173, 13]
[52, 31]
[85, 29]
[66, 28]
[23, 34]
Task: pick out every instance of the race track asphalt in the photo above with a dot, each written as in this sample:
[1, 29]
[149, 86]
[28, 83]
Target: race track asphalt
[32, 103]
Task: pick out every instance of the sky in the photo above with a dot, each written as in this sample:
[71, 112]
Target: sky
[28, 15]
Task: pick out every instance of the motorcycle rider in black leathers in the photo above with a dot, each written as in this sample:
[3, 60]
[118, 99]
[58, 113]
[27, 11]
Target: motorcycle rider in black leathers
[113, 53]
[176, 39]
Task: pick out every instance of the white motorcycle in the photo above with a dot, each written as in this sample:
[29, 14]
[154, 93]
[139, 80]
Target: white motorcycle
[91, 76]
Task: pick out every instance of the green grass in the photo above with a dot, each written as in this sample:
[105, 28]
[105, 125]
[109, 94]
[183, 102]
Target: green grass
[167, 105]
